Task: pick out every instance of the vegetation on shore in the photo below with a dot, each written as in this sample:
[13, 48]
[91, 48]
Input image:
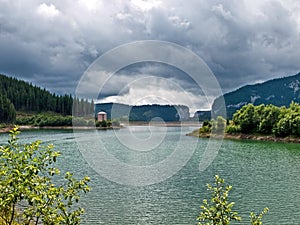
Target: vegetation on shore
[267, 122]
[24, 104]
[267, 119]
[219, 210]
[52, 119]
[28, 193]
[57, 121]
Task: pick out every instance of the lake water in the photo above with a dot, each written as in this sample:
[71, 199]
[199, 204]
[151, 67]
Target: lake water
[262, 174]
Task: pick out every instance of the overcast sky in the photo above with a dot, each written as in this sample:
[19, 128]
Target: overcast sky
[51, 43]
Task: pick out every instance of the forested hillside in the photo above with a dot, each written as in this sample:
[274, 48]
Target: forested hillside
[26, 97]
[144, 112]
[278, 92]
[7, 110]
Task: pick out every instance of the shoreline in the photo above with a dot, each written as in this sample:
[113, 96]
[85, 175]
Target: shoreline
[195, 133]
[272, 138]
[122, 124]
[160, 124]
[250, 137]
[28, 127]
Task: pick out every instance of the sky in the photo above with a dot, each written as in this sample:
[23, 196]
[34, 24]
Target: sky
[52, 43]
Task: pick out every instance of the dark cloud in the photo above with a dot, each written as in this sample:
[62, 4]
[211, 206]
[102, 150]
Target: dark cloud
[52, 43]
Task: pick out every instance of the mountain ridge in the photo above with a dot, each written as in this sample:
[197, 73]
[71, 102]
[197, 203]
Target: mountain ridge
[279, 92]
[144, 112]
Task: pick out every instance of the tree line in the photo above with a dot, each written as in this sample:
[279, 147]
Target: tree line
[26, 97]
[262, 119]
[267, 119]
[7, 110]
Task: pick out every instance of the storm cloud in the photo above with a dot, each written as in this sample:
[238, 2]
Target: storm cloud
[51, 43]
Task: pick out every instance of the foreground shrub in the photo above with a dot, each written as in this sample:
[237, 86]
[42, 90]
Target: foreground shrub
[28, 194]
[218, 211]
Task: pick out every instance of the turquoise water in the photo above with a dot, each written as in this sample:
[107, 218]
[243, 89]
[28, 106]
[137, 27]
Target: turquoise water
[263, 174]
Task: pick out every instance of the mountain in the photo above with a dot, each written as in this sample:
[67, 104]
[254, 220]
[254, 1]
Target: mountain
[144, 112]
[202, 115]
[279, 92]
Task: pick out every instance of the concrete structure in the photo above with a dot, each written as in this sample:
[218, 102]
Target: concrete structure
[102, 116]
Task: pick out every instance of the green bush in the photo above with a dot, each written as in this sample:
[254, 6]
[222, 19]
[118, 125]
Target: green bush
[28, 194]
[233, 129]
[269, 119]
[106, 123]
[283, 128]
[42, 120]
[219, 210]
[205, 130]
[79, 121]
[245, 119]
[91, 123]
[206, 123]
[25, 120]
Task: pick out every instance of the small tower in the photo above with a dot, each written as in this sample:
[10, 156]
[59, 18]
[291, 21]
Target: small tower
[102, 116]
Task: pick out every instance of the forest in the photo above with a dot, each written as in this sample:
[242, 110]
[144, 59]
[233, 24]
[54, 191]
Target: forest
[7, 110]
[20, 96]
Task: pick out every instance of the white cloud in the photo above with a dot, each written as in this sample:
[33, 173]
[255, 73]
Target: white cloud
[179, 22]
[241, 41]
[48, 11]
[91, 5]
[156, 90]
[146, 5]
[221, 11]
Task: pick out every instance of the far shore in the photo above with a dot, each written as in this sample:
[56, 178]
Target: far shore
[195, 133]
[167, 124]
[122, 124]
[28, 127]
[255, 137]
[288, 139]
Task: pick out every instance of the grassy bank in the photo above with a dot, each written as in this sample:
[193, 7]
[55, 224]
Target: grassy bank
[262, 123]
[241, 136]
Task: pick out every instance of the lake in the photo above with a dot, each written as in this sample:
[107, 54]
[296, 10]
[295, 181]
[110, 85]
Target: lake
[167, 186]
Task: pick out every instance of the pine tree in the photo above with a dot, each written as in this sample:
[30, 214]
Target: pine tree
[7, 110]
[30, 98]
